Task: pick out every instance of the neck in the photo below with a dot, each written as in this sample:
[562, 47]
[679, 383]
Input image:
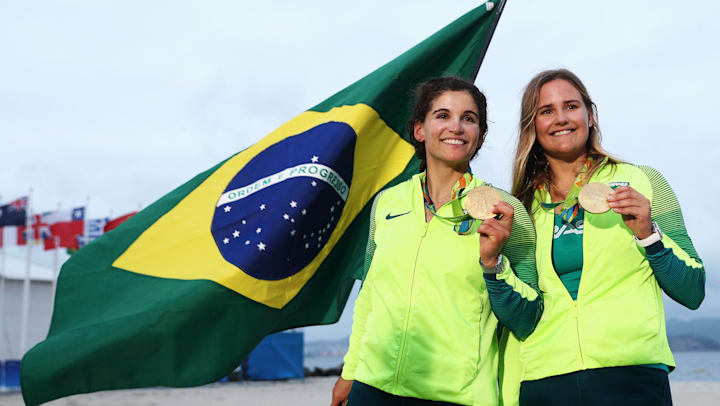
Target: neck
[441, 180]
[564, 172]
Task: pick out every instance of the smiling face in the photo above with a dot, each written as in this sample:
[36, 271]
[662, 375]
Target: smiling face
[450, 130]
[562, 121]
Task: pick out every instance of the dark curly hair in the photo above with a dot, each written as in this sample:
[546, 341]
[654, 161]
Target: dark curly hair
[426, 92]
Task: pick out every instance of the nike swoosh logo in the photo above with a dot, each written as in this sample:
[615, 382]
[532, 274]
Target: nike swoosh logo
[390, 216]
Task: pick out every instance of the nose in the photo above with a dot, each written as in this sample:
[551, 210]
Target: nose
[456, 126]
[561, 117]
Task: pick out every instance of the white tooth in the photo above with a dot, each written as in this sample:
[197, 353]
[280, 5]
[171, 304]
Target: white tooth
[453, 141]
[563, 132]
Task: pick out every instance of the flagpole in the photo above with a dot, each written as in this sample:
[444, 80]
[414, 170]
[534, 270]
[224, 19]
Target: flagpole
[3, 339]
[2, 309]
[26, 281]
[86, 234]
[486, 45]
[56, 271]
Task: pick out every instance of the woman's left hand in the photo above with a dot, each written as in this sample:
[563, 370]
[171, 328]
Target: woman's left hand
[494, 233]
[634, 208]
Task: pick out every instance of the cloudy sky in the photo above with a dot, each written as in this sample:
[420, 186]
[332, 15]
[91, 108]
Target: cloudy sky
[123, 101]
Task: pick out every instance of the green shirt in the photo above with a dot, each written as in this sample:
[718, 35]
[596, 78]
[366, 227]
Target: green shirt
[568, 252]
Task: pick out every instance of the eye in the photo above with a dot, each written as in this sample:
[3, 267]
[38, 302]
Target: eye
[469, 118]
[572, 107]
[442, 115]
[545, 111]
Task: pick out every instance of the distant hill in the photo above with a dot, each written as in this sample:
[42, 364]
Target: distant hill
[706, 327]
[692, 343]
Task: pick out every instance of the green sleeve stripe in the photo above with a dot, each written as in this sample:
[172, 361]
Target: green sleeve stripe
[666, 212]
[678, 269]
[514, 294]
[370, 248]
[520, 247]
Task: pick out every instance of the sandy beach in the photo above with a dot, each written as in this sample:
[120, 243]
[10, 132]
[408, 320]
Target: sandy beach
[301, 392]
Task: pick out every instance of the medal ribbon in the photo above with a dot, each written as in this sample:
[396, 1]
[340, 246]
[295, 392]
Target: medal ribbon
[463, 221]
[571, 206]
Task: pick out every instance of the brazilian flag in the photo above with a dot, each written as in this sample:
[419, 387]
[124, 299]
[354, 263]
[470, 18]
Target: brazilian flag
[270, 239]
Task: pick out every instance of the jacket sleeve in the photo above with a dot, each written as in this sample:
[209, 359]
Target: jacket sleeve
[674, 261]
[363, 305]
[514, 294]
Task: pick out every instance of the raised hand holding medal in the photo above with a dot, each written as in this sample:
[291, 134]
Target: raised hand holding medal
[634, 208]
[485, 203]
[598, 198]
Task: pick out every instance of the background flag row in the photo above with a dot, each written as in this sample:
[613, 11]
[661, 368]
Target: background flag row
[54, 229]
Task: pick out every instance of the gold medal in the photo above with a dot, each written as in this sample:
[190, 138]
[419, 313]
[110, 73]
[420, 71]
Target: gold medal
[479, 202]
[593, 197]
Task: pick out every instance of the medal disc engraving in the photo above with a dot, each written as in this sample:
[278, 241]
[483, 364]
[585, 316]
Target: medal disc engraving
[479, 202]
[593, 197]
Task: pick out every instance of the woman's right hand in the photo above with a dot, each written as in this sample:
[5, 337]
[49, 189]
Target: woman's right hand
[341, 391]
[494, 233]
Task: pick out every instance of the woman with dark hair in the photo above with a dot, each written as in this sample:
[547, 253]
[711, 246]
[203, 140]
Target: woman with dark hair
[603, 261]
[423, 330]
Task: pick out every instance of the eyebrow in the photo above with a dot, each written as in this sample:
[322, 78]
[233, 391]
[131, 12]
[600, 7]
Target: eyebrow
[565, 102]
[466, 111]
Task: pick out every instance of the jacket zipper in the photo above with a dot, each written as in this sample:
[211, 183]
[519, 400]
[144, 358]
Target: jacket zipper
[577, 327]
[407, 314]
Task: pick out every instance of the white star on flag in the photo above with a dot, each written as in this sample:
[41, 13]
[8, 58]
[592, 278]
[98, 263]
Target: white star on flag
[247, 242]
[332, 209]
[304, 212]
[258, 230]
[313, 183]
[236, 234]
[244, 222]
[227, 209]
[314, 158]
[261, 247]
[226, 240]
[286, 216]
[293, 204]
[262, 206]
[292, 232]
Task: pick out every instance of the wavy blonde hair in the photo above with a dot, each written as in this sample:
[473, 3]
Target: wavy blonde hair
[530, 168]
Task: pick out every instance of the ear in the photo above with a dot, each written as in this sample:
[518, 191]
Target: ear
[419, 132]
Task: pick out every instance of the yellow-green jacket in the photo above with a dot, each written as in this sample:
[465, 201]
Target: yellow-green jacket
[423, 325]
[618, 318]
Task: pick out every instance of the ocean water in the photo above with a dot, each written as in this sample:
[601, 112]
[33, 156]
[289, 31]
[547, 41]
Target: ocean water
[696, 366]
[691, 365]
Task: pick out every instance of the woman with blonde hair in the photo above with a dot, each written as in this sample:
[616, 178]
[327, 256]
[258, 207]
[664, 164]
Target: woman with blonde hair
[602, 270]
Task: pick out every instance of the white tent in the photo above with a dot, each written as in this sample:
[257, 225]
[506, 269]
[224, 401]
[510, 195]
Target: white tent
[40, 310]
